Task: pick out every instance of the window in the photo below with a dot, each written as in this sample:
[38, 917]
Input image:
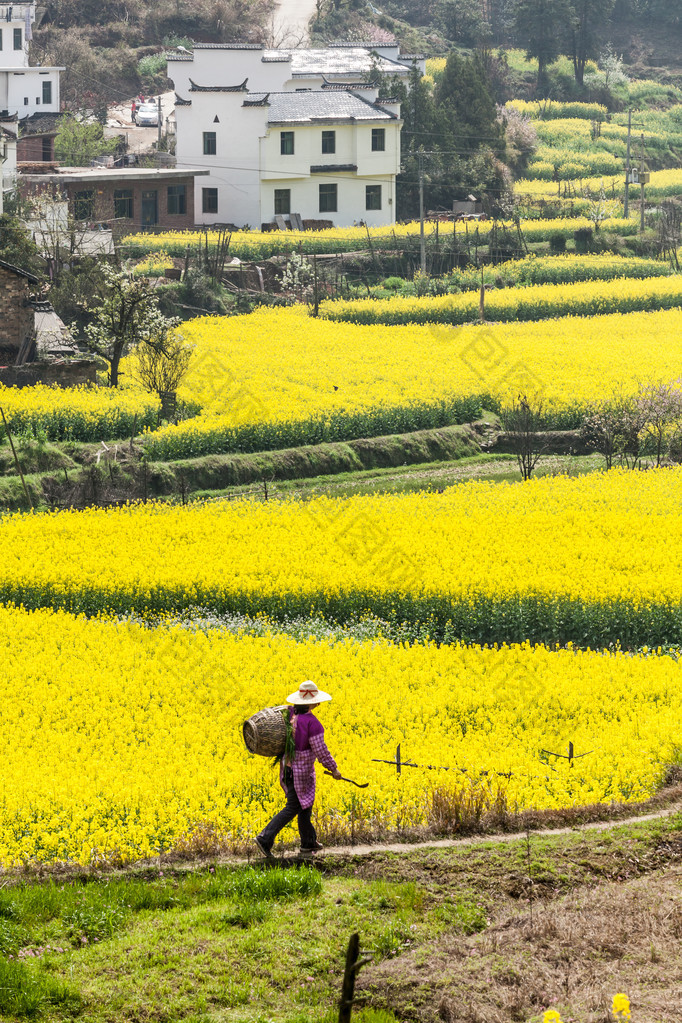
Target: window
[47, 92]
[177, 199]
[209, 143]
[123, 203]
[25, 101]
[209, 200]
[47, 148]
[0, 38]
[328, 198]
[286, 143]
[378, 140]
[84, 205]
[328, 141]
[372, 197]
[282, 200]
[18, 42]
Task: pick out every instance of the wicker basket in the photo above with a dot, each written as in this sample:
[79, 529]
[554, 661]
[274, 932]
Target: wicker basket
[265, 733]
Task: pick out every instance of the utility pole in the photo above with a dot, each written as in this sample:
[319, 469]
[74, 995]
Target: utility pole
[160, 123]
[626, 205]
[641, 186]
[422, 239]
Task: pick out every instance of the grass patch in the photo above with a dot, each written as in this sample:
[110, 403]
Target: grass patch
[268, 945]
[26, 993]
[406, 478]
[90, 911]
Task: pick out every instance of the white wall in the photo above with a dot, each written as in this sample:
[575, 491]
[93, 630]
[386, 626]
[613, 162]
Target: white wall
[234, 168]
[9, 57]
[351, 196]
[228, 67]
[21, 86]
[231, 67]
[27, 85]
[8, 166]
[248, 164]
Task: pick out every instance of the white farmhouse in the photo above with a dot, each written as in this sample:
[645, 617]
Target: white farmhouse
[24, 90]
[286, 132]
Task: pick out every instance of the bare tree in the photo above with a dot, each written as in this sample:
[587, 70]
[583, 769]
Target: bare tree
[522, 421]
[660, 406]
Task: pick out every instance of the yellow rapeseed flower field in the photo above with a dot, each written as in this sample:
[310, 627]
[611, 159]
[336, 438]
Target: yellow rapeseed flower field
[118, 740]
[301, 380]
[536, 302]
[78, 413]
[662, 183]
[593, 558]
[261, 244]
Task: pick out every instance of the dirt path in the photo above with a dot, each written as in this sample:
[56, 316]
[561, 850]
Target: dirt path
[290, 22]
[453, 843]
[288, 855]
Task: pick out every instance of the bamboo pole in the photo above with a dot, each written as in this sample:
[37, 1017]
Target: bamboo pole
[16, 460]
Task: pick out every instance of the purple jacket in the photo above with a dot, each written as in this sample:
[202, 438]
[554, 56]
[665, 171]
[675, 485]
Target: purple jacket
[310, 746]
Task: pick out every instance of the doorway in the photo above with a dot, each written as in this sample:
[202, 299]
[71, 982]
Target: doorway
[150, 208]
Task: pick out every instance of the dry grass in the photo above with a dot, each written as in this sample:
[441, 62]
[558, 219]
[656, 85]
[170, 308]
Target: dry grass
[574, 955]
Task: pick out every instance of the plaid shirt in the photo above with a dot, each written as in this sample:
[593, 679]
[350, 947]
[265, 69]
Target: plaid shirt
[303, 767]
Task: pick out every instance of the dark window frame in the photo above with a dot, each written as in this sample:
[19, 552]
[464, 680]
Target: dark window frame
[378, 140]
[176, 200]
[329, 141]
[282, 200]
[46, 93]
[18, 39]
[329, 197]
[210, 143]
[286, 143]
[209, 200]
[373, 191]
[123, 204]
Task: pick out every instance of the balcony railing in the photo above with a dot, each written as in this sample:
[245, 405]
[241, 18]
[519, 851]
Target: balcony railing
[16, 12]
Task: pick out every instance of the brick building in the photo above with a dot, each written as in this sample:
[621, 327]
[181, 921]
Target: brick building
[17, 315]
[35, 141]
[127, 198]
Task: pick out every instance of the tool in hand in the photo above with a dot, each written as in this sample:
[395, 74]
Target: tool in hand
[360, 785]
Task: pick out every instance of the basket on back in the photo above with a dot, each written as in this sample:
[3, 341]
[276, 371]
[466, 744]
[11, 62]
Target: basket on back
[265, 733]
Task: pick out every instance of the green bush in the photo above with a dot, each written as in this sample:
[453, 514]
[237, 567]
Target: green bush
[583, 239]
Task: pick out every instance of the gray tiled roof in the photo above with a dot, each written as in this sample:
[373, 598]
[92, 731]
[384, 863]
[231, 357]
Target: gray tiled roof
[302, 107]
[226, 46]
[218, 88]
[351, 60]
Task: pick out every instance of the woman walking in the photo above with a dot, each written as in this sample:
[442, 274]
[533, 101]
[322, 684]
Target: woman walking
[297, 770]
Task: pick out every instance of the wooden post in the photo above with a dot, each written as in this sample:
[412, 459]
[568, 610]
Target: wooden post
[353, 965]
[316, 304]
[397, 759]
[570, 754]
[265, 488]
[16, 460]
[348, 988]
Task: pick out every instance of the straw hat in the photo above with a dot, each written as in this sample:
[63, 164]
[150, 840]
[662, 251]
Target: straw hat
[309, 694]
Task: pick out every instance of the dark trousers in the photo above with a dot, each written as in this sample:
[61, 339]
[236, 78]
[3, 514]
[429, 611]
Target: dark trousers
[285, 816]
